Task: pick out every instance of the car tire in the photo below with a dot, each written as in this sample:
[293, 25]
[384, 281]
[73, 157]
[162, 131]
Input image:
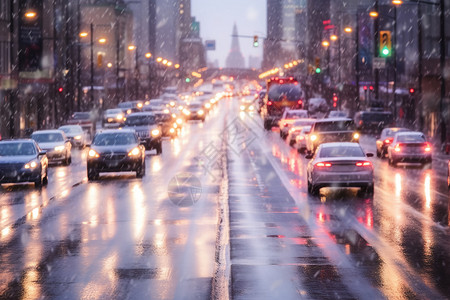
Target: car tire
[378, 154]
[38, 183]
[291, 143]
[140, 172]
[159, 148]
[392, 162]
[45, 180]
[92, 174]
[69, 161]
[267, 125]
[367, 190]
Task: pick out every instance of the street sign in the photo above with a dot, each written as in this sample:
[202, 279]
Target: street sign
[210, 45]
[379, 63]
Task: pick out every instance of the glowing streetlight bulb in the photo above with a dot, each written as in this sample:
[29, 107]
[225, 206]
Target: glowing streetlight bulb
[148, 55]
[102, 40]
[348, 29]
[84, 34]
[325, 43]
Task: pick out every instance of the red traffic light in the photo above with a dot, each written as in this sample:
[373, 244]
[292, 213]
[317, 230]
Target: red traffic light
[60, 89]
[411, 91]
[371, 88]
[365, 87]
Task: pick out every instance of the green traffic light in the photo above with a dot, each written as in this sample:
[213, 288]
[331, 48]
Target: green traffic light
[385, 51]
[255, 44]
[188, 80]
[318, 70]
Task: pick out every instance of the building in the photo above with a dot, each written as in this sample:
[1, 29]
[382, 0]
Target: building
[235, 59]
[272, 43]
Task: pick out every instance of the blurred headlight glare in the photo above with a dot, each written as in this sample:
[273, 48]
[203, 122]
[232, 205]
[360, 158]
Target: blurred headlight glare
[200, 112]
[31, 165]
[313, 137]
[78, 137]
[155, 132]
[134, 152]
[59, 148]
[93, 153]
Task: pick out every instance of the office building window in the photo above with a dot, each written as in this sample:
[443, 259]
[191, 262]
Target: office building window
[4, 57]
[4, 10]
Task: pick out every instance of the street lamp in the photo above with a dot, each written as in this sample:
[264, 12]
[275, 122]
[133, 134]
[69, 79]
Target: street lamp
[136, 69]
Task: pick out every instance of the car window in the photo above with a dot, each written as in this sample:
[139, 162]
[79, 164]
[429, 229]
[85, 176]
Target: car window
[71, 129]
[114, 139]
[411, 138]
[163, 117]
[113, 111]
[81, 116]
[302, 122]
[291, 91]
[17, 149]
[141, 120]
[341, 151]
[334, 126]
[296, 115]
[47, 137]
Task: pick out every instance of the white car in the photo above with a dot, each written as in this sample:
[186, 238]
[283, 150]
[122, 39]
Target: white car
[296, 128]
[75, 134]
[288, 118]
[340, 165]
[300, 139]
[56, 144]
[409, 146]
[113, 118]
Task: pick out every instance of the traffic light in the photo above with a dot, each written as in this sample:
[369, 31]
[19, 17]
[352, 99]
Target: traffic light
[255, 41]
[317, 61]
[412, 91]
[99, 60]
[385, 43]
[188, 80]
[60, 89]
[335, 100]
[365, 88]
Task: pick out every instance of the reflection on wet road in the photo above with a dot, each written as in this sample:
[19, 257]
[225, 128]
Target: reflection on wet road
[158, 237]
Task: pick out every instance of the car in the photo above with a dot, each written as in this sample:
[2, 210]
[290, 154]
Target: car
[317, 108]
[56, 144]
[375, 120]
[340, 165]
[288, 117]
[410, 146]
[85, 119]
[448, 174]
[300, 139]
[247, 104]
[147, 129]
[331, 130]
[195, 111]
[385, 139]
[115, 150]
[296, 128]
[113, 118]
[129, 107]
[168, 123]
[75, 134]
[22, 160]
[337, 114]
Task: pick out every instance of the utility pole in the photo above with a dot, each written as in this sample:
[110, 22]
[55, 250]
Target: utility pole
[92, 64]
[375, 49]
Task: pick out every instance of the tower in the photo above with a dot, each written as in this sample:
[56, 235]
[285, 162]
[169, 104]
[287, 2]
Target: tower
[235, 58]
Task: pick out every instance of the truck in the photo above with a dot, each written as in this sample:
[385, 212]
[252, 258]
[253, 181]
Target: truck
[282, 93]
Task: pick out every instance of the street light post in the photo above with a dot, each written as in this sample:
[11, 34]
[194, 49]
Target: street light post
[92, 64]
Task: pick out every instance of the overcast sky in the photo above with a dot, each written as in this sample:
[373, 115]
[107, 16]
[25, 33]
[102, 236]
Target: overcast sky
[216, 23]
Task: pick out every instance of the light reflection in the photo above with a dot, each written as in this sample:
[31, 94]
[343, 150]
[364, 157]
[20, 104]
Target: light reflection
[31, 287]
[156, 164]
[139, 212]
[5, 232]
[398, 184]
[61, 173]
[428, 191]
[176, 146]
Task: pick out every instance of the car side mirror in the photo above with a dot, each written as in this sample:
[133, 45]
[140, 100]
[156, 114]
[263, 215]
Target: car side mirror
[309, 155]
[42, 152]
[369, 154]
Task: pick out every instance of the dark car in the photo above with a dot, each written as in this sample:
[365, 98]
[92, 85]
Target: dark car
[195, 111]
[129, 107]
[23, 161]
[385, 139]
[115, 150]
[167, 122]
[85, 119]
[367, 121]
[331, 130]
[147, 129]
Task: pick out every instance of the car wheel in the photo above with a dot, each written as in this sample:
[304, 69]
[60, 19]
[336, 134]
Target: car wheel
[38, 183]
[140, 172]
[367, 190]
[291, 143]
[392, 162]
[159, 148]
[267, 125]
[45, 180]
[378, 154]
[92, 174]
[69, 161]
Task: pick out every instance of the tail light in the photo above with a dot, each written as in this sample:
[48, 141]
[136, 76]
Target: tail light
[323, 165]
[397, 148]
[388, 140]
[300, 102]
[269, 103]
[364, 164]
[286, 124]
[301, 137]
[427, 147]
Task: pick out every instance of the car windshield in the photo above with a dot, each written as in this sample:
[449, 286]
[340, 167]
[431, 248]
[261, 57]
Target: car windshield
[195, 106]
[81, 116]
[411, 138]
[47, 137]
[141, 120]
[17, 149]
[335, 126]
[113, 111]
[341, 151]
[163, 117]
[337, 114]
[296, 115]
[302, 122]
[306, 129]
[125, 105]
[114, 139]
[71, 129]
[392, 132]
[292, 92]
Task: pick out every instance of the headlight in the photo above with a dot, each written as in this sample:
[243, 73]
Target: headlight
[180, 107]
[155, 132]
[172, 130]
[207, 105]
[31, 165]
[166, 111]
[59, 148]
[175, 125]
[172, 103]
[129, 111]
[179, 121]
[313, 137]
[139, 105]
[78, 137]
[119, 117]
[200, 112]
[93, 153]
[251, 107]
[242, 107]
[356, 135]
[134, 152]
[186, 112]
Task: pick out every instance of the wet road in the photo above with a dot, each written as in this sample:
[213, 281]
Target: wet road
[243, 228]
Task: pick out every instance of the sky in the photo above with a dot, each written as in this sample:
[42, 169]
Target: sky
[216, 23]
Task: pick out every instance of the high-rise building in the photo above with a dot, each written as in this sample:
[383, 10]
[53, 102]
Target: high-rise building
[272, 44]
[235, 59]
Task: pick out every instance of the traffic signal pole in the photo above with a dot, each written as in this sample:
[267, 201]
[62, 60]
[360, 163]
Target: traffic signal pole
[395, 64]
[375, 52]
